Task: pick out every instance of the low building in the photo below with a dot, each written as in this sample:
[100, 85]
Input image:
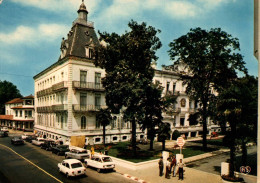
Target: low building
[19, 114]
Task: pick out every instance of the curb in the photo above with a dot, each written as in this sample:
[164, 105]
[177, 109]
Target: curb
[134, 178]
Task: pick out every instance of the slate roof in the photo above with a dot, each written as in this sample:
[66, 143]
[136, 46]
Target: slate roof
[82, 34]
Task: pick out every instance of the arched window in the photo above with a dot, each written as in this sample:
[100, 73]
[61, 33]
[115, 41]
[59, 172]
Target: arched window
[83, 122]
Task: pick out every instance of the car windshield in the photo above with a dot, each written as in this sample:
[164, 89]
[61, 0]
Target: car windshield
[76, 165]
[107, 159]
[82, 152]
[63, 147]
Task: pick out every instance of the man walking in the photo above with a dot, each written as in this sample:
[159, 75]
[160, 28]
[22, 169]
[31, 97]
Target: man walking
[160, 166]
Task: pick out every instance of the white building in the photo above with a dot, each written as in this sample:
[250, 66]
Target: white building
[69, 93]
[19, 114]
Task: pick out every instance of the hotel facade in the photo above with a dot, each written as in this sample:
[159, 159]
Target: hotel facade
[69, 93]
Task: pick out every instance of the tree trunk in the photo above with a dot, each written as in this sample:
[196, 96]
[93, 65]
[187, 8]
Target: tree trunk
[232, 149]
[151, 144]
[244, 152]
[134, 137]
[204, 122]
[104, 135]
[163, 145]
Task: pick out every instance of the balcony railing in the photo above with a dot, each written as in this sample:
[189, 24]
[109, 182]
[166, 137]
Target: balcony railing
[86, 108]
[53, 108]
[87, 85]
[59, 86]
[61, 107]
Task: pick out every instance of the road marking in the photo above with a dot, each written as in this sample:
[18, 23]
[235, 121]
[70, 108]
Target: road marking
[31, 163]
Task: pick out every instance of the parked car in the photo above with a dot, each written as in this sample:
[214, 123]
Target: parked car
[3, 134]
[38, 141]
[29, 138]
[100, 162]
[25, 135]
[60, 149]
[5, 129]
[71, 168]
[78, 153]
[17, 141]
[48, 144]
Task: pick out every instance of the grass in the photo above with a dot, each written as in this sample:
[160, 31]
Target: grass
[121, 150]
[217, 142]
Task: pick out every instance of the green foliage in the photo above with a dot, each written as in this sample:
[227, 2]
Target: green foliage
[208, 60]
[164, 132]
[175, 135]
[8, 91]
[127, 61]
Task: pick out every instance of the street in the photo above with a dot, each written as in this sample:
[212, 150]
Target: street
[29, 163]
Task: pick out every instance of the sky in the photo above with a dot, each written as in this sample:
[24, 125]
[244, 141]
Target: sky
[31, 30]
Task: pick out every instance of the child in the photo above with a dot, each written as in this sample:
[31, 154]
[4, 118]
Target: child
[181, 165]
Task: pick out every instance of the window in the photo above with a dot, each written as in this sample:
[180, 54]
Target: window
[21, 113]
[83, 122]
[97, 139]
[97, 124]
[83, 99]
[182, 121]
[167, 86]
[97, 80]
[83, 78]
[97, 101]
[114, 138]
[124, 137]
[173, 87]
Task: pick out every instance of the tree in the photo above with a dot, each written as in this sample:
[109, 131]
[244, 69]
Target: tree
[164, 132]
[8, 91]
[127, 61]
[210, 60]
[104, 118]
[152, 111]
[238, 103]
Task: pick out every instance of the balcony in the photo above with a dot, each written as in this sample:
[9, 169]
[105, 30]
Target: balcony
[86, 108]
[61, 107]
[53, 108]
[79, 85]
[46, 109]
[60, 86]
[47, 91]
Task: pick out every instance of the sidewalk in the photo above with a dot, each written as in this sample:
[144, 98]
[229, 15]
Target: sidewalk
[151, 175]
[149, 172]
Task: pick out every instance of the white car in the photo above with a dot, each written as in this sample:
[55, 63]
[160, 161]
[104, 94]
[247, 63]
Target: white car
[38, 141]
[71, 168]
[24, 136]
[4, 129]
[100, 162]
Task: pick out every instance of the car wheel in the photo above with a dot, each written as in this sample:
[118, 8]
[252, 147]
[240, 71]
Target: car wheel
[67, 175]
[86, 164]
[59, 170]
[66, 157]
[98, 170]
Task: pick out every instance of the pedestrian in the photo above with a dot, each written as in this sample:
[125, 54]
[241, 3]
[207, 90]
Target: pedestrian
[181, 165]
[160, 166]
[173, 166]
[168, 168]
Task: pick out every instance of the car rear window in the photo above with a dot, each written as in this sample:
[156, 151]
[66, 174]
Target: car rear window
[76, 165]
[107, 159]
